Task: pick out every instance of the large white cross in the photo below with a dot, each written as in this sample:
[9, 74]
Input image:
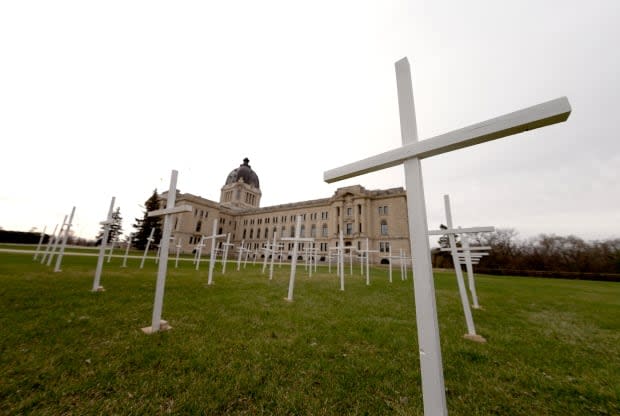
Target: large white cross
[410, 155]
[104, 239]
[367, 260]
[296, 240]
[163, 261]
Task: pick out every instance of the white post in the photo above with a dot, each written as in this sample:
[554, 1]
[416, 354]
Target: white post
[50, 242]
[213, 237]
[57, 238]
[36, 252]
[178, 247]
[146, 249]
[341, 259]
[241, 248]
[470, 271]
[226, 245]
[126, 251]
[296, 240]
[64, 242]
[157, 323]
[104, 238]
[471, 329]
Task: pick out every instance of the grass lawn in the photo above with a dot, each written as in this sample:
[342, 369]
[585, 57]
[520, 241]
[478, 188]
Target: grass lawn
[238, 347]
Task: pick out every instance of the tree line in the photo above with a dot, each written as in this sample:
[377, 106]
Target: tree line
[544, 255]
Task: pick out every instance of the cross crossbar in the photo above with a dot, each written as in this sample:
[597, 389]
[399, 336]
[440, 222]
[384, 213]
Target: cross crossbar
[462, 230]
[173, 210]
[530, 118]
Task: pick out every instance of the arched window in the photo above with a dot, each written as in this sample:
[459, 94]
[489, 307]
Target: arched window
[313, 231]
[258, 233]
[251, 233]
[244, 233]
[266, 233]
[198, 226]
[384, 227]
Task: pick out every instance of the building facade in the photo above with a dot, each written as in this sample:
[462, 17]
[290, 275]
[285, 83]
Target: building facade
[374, 217]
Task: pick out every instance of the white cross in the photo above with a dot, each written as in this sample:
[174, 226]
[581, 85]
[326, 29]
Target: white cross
[64, 241]
[149, 240]
[242, 250]
[50, 243]
[157, 323]
[469, 256]
[226, 245]
[296, 240]
[410, 155]
[54, 242]
[36, 253]
[367, 256]
[213, 237]
[111, 251]
[451, 232]
[126, 251]
[178, 247]
[106, 231]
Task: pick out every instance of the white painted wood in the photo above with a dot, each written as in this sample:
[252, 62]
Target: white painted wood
[106, 232]
[64, 241]
[36, 252]
[48, 247]
[56, 242]
[487, 229]
[341, 259]
[167, 213]
[178, 251]
[213, 237]
[540, 115]
[128, 246]
[295, 240]
[149, 240]
[227, 245]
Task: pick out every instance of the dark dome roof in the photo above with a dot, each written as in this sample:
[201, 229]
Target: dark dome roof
[245, 172]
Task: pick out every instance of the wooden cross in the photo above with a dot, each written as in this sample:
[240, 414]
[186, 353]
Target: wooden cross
[64, 241]
[149, 240]
[296, 240]
[451, 232]
[226, 245]
[104, 239]
[242, 250]
[178, 247]
[213, 237]
[36, 252]
[367, 258]
[50, 243]
[410, 155]
[129, 238]
[157, 323]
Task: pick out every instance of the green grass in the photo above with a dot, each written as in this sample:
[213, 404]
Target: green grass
[239, 348]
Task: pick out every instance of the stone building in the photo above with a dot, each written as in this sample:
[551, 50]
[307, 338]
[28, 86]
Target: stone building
[377, 215]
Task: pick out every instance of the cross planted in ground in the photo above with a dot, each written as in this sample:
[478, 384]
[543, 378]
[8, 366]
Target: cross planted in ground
[410, 155]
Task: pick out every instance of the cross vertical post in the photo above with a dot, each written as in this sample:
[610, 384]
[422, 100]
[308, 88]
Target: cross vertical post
[104, 239]
[64, 242]
[50, 243]
[126, 251]
[212, 258]
[156, 322]
[146, 249]
[36, 252]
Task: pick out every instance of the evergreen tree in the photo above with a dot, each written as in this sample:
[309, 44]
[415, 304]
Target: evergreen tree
[116, 228]
[144, 225]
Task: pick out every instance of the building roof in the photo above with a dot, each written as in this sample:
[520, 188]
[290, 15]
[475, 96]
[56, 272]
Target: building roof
[243, 172]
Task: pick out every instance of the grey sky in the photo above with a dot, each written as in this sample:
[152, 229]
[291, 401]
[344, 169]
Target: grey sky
[102, 100]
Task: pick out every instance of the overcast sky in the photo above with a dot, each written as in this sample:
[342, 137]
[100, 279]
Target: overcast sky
[102, 99]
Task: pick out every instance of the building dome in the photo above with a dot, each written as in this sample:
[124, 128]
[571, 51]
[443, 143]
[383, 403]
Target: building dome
[245, 172]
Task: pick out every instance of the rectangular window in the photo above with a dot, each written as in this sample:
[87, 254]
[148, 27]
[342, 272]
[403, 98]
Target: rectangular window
[324, 230]
[349, 211]
[349, 230]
